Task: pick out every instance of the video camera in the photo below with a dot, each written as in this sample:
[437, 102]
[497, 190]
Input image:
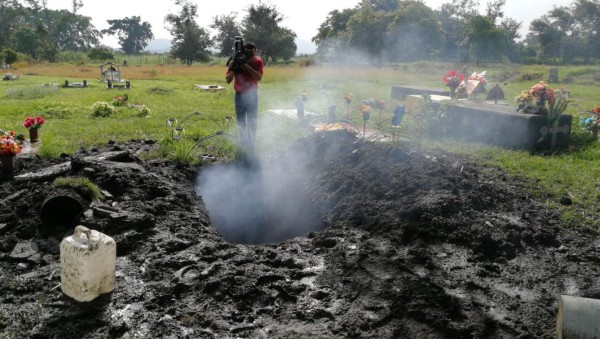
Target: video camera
[238, 58]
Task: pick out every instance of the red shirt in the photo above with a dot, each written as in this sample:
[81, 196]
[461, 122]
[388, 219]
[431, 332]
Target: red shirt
[244, 81]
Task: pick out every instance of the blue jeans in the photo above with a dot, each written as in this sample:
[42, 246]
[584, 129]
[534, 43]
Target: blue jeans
[246, 113]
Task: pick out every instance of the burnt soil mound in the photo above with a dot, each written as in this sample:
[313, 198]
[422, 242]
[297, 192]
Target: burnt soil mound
[410, 244]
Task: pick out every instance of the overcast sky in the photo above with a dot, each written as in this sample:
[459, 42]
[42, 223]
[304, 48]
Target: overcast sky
[301, 16]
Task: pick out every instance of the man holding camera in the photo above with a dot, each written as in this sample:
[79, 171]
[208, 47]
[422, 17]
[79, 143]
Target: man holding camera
[247, 71]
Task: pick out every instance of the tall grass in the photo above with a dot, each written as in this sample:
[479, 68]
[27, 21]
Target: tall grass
[120, 58]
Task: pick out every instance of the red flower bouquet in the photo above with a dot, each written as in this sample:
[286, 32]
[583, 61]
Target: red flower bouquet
[33, 123]
[453, 79]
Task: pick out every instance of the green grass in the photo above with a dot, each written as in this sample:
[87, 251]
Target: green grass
[169, 92]
[83, 185]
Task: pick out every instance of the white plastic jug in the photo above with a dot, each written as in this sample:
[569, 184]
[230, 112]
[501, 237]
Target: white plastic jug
[88, 261]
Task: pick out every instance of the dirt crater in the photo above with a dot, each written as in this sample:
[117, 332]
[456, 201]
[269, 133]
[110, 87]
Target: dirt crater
[416, 244]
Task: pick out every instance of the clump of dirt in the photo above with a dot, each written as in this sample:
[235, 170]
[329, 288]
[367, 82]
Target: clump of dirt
[417, 244]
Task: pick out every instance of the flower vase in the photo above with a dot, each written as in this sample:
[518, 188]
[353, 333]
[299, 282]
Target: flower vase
[33, 134]
[452, 92]
[8, 163]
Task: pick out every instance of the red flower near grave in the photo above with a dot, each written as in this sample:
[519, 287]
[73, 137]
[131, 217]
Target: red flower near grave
[453, 79]
[348, 98]
[543, 93]
[595, 110]
[33, 123]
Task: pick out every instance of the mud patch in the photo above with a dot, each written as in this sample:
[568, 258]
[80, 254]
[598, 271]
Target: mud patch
[416, 244]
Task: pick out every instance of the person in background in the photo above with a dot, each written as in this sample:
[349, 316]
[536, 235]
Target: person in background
[245, 84]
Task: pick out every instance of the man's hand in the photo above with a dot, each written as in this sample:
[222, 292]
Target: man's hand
[229, 76]
[254, 73]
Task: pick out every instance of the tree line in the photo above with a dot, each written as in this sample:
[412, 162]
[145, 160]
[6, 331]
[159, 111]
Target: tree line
[30, 28]
[408, 30]
[379, 31]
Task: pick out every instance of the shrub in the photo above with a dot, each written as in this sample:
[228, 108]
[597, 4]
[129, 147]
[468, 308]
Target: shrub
[531, 61]
[9, 55]
[101, 53]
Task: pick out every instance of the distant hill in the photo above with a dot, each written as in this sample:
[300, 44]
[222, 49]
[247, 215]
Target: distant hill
[164, 45]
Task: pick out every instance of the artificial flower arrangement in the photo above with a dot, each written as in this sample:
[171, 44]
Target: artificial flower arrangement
[479, 77]
[539, 99]
[33, 123]
[592, 124]
[375, 103]
[453, 79]
[564, 92]
[120, 100]
[524, 99]
[9, 144]
[348, 98]
[365, 110]
[372, 104]
[102, 109]
[482, 81]
[143, 111]
[595, 111]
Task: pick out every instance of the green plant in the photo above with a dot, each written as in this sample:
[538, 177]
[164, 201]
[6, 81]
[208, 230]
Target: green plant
[143, 111]
[82, 185]
[185, 149]
[9, 55]
[430, 121]
[102, 109]
[100, 53]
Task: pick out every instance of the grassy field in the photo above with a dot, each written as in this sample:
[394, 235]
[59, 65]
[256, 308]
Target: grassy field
[169, 92]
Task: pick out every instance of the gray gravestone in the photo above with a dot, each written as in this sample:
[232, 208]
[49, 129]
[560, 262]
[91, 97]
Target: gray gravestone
[554, 74]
